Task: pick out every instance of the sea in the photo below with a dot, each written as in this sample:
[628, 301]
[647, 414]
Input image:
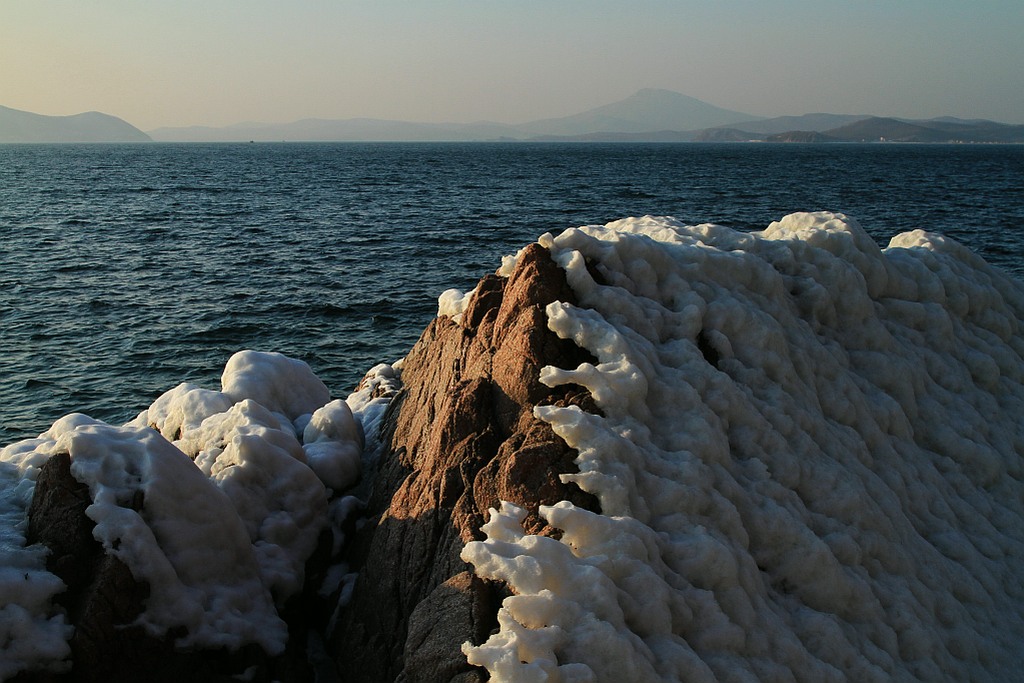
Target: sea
[128, 269]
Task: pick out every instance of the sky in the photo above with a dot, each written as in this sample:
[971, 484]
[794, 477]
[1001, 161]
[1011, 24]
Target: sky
[220, 62]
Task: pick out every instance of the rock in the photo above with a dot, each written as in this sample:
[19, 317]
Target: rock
[437, 628]
[103, 600]
[461, 437]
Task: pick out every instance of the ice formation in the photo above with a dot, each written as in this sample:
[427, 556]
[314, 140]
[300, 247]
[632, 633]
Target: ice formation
[452, 303]
[278, 383]
[31, 629]
[809, 463]
[235, 495]
[187, 542]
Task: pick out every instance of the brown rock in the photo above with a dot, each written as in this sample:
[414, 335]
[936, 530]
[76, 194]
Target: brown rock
[462, 437]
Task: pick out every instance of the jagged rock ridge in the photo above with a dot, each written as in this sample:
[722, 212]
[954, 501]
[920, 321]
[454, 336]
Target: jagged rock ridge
[462, 437]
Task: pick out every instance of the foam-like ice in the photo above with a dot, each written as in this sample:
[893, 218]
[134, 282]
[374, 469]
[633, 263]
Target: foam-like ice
[273, 472]
[234, 502]
[33, 634]
[370, 402]
[261, 465]
[452, 303]
[278, 383]
[186, 542]
[183, 409]
[333, 445]
[809, 463]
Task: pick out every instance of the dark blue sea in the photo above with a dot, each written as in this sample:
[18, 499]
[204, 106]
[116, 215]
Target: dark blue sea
[128, 269]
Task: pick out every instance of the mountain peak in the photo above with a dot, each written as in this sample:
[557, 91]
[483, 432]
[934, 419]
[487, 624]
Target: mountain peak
[648, 109]
[90, 126]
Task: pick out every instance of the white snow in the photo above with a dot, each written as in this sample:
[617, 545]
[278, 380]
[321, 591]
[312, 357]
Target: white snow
[452, 303]
[278, 383]
[809, 464]
[234, 504]
[32, 631]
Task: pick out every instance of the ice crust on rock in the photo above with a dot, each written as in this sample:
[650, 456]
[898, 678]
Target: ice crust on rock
[809, 463]
[187, 542]
[452, 303]
[333, 445]
[234, 501]
[369, 403]
[32, 631]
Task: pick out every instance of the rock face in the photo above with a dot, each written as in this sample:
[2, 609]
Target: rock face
[461, 436]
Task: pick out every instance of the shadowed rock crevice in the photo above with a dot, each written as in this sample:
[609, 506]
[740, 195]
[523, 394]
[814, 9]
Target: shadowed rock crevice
[461, 437]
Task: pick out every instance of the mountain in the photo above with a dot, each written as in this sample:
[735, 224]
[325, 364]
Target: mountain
[800, 136]
[725, 134]
[605, 136]
[808, 122]
[645, 111]
[883, 129]
[953, 119]
[23, 126]
[887, 129]
[649, 115]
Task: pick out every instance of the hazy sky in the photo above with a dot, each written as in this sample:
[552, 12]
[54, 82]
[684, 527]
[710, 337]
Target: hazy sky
[218, 62]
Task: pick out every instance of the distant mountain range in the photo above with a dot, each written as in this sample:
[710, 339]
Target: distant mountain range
[641, 114]
[880, 129]
[23, 126]
[647, 116]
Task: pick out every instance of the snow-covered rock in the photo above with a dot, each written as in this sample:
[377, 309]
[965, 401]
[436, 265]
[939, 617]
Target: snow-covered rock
[810, 463]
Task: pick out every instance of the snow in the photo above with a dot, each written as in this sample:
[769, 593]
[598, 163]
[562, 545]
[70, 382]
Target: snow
[278, 383]
[452, 303]
[809, 463]
[31, 629]
[235, 496]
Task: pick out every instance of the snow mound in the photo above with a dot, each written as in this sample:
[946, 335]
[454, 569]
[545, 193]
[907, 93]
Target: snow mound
[809, 464]
[187, 542]
[234, 503]
[278, 383]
